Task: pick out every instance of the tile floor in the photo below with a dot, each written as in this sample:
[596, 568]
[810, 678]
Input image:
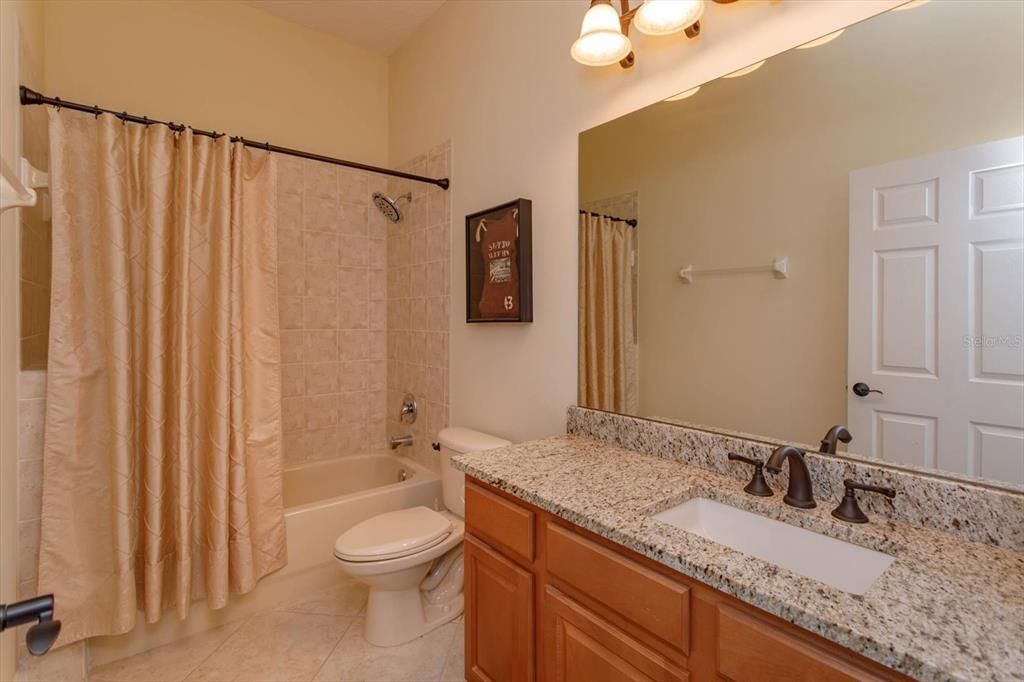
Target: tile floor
[320, 639]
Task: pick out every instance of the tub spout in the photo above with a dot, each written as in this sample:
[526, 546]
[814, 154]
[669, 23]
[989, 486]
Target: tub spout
[400, 441]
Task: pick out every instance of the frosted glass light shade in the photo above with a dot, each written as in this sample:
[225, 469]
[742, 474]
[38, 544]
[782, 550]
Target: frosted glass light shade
[662, 17]
[601, 41]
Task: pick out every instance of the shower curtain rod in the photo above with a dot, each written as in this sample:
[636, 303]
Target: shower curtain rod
[632, 222]
[29, 96]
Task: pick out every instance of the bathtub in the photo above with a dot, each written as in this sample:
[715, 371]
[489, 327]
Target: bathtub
[324, 499]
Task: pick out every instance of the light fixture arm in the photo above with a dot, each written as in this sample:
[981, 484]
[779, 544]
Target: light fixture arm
[625, 19]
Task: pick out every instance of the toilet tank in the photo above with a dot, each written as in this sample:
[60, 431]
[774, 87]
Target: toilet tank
[453, 482]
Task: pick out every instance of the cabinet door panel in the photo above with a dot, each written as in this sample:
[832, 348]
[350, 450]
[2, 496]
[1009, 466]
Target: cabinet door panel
[752, 650]
[654, 603]
[580, 646]
[499, 617]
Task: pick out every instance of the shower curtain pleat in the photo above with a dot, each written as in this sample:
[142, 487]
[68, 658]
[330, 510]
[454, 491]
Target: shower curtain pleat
[162, 445]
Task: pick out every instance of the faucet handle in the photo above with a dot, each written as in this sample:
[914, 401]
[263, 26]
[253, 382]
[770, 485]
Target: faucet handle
[848, 509]
[758, 485]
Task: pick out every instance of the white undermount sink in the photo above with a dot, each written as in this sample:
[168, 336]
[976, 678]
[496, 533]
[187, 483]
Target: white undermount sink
[842, 565]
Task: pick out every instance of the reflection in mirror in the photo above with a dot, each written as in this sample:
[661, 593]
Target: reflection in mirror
[834, 238]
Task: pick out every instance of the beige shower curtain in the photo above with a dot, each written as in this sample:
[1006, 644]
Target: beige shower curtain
[162, 455]
[607, 315]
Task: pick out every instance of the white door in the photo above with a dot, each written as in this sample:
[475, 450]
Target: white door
[936, 317]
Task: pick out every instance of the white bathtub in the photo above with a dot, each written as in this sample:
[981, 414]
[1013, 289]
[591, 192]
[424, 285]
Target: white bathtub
[324, 499]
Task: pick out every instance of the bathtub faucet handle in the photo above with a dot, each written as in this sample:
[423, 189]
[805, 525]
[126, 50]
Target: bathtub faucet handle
[407, 415]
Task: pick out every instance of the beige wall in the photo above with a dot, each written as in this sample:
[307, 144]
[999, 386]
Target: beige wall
[496, 78]
[223, 66]
[757, 167]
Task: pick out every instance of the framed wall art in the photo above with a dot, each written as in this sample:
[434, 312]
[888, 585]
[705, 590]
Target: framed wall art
[499, 264]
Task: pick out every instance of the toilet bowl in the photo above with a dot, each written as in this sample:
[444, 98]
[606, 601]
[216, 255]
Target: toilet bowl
[411, 559]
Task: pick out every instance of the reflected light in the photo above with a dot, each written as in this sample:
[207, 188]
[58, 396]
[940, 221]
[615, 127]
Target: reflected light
[682, 95]
[822, 40]
[745, 70]
[910, 5]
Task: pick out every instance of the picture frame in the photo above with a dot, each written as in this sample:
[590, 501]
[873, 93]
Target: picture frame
[499, 263]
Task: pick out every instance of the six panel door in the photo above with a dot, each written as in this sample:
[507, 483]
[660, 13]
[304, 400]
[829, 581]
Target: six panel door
[936, 318]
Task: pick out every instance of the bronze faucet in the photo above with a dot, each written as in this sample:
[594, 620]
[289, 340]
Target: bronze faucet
[800, 492]
[835, 435]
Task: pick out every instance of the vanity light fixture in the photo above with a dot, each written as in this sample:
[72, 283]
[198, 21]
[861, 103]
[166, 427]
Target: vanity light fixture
[745, 70]
[604, 35]
[822, 40]
[682, 95]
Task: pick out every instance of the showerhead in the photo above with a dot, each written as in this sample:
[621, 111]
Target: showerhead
[389, 206]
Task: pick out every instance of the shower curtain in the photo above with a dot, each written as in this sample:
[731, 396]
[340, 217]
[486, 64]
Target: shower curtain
[607, 315]
[162, 453]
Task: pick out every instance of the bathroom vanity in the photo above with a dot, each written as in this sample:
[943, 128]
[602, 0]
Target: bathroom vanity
[569, 576]
[550, 600]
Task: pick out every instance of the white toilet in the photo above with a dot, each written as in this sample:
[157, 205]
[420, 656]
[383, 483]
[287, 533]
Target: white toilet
[412, 558]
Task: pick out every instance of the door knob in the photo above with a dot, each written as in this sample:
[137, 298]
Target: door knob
[862, 389]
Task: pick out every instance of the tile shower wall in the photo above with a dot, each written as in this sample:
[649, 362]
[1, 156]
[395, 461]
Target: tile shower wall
[332, 288]
[418, 260]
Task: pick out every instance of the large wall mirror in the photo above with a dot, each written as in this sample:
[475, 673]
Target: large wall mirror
[835, 237]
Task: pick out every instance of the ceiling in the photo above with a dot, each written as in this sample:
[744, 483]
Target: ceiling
[377, 25]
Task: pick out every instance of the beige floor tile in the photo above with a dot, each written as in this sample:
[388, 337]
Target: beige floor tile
[455, 664]
[169, 663]
[275, 646]
[345, 599]
[66, 664]
[356, 660]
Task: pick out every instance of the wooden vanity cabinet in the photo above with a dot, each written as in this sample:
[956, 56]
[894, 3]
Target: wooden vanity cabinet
[549, 601]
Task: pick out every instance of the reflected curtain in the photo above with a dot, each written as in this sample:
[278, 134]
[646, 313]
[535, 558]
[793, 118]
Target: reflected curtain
[607, 315]
[162, 452]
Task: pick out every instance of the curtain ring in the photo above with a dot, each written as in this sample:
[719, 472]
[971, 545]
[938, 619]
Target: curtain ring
[59, 103]
[266, 145]
[96, 111]
[123, 116]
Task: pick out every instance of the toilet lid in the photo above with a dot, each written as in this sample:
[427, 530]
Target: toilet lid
[392, 535]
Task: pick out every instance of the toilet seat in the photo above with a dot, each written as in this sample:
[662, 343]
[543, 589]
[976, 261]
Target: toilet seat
[393, 535]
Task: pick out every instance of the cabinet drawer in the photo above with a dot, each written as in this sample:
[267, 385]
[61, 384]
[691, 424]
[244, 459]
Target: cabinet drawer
[647, 599]
[580, 646]
[754, 650]
[501, 522]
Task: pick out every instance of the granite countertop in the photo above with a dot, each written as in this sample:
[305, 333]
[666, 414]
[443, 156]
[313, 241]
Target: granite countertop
[946, 609]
